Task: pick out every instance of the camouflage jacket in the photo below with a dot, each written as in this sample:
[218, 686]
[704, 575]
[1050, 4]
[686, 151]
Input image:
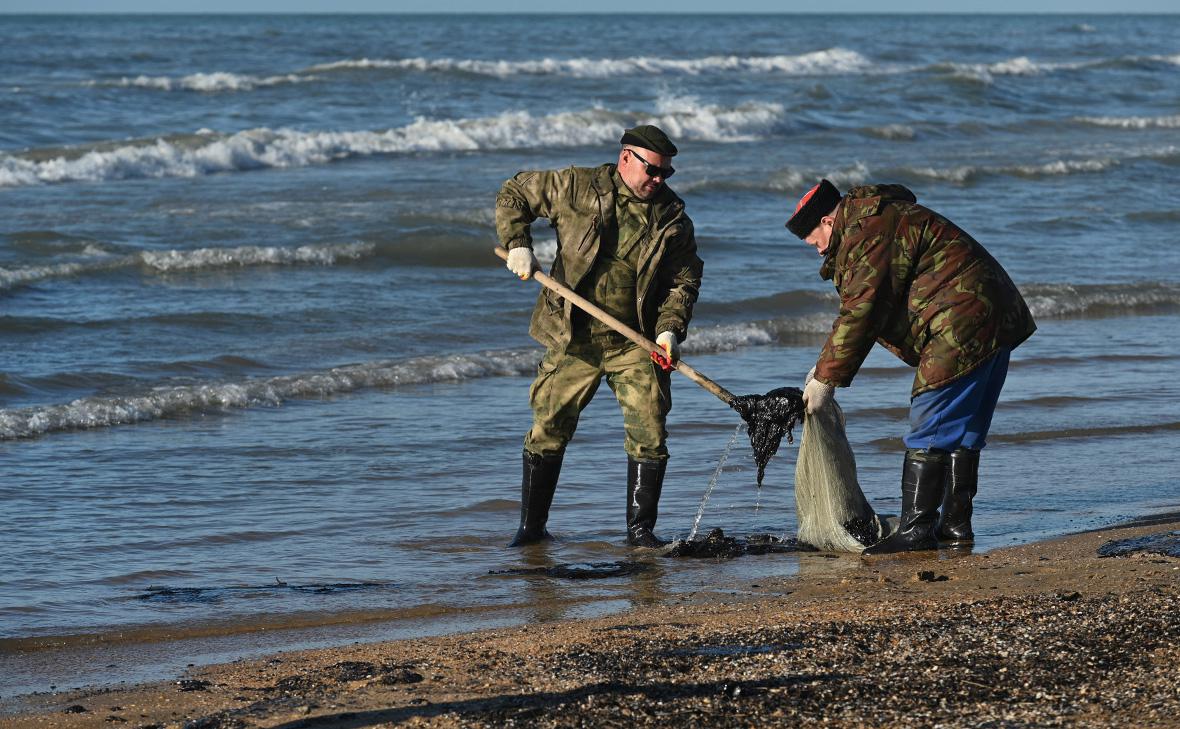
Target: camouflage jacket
[580, 204]
[913, 281]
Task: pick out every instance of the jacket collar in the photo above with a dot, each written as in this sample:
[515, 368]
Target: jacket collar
[665, 206]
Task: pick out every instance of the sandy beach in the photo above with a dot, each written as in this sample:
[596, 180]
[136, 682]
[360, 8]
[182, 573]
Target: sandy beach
[1047, 634]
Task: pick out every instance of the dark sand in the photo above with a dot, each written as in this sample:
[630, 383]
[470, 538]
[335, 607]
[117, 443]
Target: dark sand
[1045, 634]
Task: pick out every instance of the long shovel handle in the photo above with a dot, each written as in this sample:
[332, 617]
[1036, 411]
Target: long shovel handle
[572, 296]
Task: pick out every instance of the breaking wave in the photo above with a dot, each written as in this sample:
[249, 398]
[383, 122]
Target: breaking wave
[1133, 122]
[190, 260]
[209, 153]
[216, 397]
[829, 61]
[205, 82]
[809, 318]
[797, 180]
[1099, 300]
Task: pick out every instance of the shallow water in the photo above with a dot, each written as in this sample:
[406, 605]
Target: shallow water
[254, 331]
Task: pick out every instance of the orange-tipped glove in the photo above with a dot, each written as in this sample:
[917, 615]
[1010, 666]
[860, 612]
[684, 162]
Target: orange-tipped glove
[671, 355]
[522, 262]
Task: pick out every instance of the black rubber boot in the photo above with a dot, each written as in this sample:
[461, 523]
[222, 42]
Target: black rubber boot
[960, 485]
[645, 481]
[921, 493]
[536, 495]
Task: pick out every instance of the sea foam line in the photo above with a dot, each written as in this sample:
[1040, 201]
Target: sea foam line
[1066, 300]
[1133, 122]
[219, 397]
[1045, 300]
[828, 61]
[194, 155]
[190, 260]
[205, 82]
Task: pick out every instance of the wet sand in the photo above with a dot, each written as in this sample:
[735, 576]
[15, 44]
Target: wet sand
[1044, 634]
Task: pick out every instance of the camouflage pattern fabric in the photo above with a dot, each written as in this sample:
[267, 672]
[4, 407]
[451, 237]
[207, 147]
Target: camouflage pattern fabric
[579, 203]
[567, 380]
[913, 281]
[611, 282]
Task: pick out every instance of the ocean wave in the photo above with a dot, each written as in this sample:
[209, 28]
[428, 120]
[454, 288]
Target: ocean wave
[202, 154]
[1132, 122]
[808, 317]
[892, 132]
[962, 174]
[825, 62]
[791, 180]
[1020, 66]
[205, 82]
[219, 397]
[798, 180]
[1100, 300]
[190, 260]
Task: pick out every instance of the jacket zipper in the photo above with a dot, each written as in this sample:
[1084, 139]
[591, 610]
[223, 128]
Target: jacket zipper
[586, 238]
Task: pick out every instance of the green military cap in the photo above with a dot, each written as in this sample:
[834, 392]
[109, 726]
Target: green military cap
[647, 136]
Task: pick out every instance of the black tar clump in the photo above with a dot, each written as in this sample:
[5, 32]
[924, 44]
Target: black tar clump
[768, 418]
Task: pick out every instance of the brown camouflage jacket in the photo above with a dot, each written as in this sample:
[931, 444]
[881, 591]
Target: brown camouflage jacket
[913, 281]
[580, 204]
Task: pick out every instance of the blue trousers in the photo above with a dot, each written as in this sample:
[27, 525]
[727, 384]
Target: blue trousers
[960, 414]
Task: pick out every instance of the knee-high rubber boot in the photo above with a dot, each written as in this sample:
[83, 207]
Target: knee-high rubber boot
[645, 481]
[962, 481]
[536, 496]
[921, 493]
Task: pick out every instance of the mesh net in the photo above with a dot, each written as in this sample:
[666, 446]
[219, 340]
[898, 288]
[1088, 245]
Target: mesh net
[832, 511]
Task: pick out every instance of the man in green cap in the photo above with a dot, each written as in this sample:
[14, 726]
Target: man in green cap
[624, 243]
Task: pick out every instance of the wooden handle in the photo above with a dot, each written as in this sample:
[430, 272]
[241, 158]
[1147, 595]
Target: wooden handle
[579, 301]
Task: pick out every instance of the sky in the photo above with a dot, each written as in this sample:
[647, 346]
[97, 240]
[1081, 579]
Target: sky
[611, 6]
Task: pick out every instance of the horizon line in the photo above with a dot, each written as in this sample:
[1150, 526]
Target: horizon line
[1105, 13]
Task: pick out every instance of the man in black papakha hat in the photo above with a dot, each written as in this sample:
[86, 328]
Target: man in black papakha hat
[624, 243]
[928, 292]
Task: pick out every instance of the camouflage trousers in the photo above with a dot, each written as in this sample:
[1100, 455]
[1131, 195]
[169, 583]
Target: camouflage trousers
[566, 382]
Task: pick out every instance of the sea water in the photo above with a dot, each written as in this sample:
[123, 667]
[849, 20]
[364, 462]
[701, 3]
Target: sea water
[256, 345]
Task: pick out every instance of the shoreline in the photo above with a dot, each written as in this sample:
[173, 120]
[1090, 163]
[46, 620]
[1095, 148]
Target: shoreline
[1038, 633]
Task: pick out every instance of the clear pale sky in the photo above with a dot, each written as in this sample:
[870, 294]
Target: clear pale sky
[611, 6]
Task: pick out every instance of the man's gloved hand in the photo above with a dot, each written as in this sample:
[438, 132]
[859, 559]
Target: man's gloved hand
[670, 354]
[522, 262]
[667, 340]
[816, 394]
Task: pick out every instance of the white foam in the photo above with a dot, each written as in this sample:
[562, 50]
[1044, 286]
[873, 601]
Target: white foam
[1133, 122]
[793, 180]
[964, 173]
[682, 117]
[829, 61]
[1059, 300]
[1020, 66]
[1062, 167]
[893, 131]
[188, 260]
[200, 258]
[216, 397]
[206, 82]
[13, 277]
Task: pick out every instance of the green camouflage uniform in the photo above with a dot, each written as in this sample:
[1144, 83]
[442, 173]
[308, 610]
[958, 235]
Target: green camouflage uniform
[635, 259]
[913, 281]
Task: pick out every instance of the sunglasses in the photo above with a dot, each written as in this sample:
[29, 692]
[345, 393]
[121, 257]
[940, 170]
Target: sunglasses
[651, 170]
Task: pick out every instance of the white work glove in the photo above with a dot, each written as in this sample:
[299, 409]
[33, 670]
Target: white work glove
[667, 340]
[522, 262]
[816, 394]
